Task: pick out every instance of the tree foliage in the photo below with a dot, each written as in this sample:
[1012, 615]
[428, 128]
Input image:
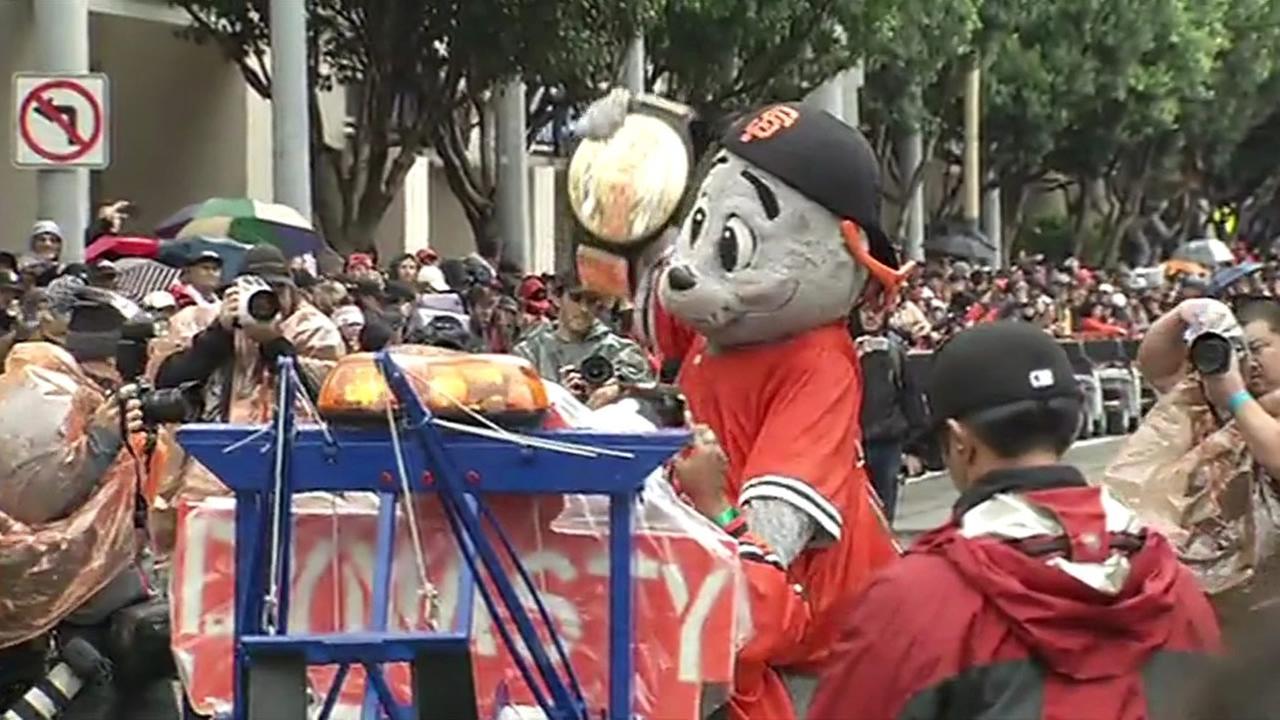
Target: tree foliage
[1119, 100]
[421, 73]
[725, 54]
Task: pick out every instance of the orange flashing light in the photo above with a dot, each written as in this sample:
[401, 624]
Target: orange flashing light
[449, 383]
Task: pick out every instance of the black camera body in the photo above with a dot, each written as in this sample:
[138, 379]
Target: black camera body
[165, 406]
[596, 370]
[1211, 353]
[160, 406]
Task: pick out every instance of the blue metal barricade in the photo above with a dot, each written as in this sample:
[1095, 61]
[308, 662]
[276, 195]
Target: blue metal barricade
[264, 467]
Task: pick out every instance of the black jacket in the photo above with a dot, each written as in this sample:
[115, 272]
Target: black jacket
[212, 351]
[891, 404]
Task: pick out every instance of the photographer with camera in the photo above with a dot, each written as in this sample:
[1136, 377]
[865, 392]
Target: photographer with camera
[80, 628]
[233, 354]
[227, 354]
[1245, 386]
[580, 352]
[1202, 463]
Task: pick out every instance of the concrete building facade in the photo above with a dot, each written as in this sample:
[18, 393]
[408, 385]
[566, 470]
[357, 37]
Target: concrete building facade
[186, 127]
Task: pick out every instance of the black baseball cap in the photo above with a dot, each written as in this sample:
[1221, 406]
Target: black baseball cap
[268, 263]
[996, 365]
[822, 158]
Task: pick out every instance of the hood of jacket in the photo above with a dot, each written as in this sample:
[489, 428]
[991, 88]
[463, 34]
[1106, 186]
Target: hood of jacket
[1079, 579]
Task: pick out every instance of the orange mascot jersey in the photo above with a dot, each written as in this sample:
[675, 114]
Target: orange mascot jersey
[787, 416]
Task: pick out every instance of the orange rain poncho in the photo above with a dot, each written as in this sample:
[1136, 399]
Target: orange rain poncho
[66, 526]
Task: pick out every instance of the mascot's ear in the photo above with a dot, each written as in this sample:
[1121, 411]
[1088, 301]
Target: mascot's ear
[889, 279]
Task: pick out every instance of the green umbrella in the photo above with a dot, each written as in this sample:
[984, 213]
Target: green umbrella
[246, 221]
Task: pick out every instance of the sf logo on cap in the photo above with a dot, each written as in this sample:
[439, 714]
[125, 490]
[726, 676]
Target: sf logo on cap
[1041, 379]
[769, 123]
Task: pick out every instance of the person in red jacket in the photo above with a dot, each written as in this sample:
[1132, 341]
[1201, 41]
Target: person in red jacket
[1042, 597]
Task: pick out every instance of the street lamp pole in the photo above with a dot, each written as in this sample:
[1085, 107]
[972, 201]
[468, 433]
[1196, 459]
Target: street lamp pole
[633, 66]
[972, 146]
[62, 194]
[290, 106]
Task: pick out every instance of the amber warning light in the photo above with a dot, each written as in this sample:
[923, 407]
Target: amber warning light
[450, 384]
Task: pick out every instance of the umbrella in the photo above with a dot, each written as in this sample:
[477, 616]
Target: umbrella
[246, 221]
[963, 245]
[182, 251]
[1227, 277]
[139, 277]
[1205, 251]
[111, 247]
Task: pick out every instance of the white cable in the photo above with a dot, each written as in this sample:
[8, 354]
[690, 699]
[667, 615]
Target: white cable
[246, 439]
[427, 589]
[539, 443]
[309, 406]
[271, 607]
[501, 433]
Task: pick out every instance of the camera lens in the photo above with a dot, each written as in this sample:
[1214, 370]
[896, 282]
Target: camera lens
[596, 370]
[263, 305]
[1211, 354]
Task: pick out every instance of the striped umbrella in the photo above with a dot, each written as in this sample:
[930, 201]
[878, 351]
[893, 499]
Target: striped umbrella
[246, 221]
[139, 277]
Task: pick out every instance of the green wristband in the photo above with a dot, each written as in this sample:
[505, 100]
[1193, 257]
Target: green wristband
[726, 517]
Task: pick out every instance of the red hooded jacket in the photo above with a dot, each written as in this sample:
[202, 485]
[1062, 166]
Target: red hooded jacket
[1042, 598]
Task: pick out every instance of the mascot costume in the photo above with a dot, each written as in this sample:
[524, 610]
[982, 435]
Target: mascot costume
[749, 297]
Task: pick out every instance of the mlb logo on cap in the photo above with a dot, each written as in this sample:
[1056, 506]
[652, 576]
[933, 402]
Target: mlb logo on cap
[1041, 379]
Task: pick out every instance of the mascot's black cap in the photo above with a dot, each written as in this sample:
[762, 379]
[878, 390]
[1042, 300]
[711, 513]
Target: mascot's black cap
[820, 156]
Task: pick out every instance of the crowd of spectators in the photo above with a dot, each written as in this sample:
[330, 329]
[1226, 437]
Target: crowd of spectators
[420, 298]
[465, 304]
[1066, 299]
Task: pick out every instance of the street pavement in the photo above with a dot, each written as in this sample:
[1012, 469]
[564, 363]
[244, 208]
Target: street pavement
[925, 503]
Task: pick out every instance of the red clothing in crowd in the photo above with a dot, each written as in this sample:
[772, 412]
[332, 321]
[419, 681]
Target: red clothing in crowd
[1102, 328]
[974, 625]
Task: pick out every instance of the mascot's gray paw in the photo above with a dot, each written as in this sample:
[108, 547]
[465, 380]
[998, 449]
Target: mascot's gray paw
[782, 526]
[605, 116]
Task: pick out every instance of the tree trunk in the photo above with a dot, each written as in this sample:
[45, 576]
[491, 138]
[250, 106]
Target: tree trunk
[1078, 208]
[1012, 206]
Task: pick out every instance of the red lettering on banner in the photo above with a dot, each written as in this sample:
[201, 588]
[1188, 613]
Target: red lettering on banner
[686, 601]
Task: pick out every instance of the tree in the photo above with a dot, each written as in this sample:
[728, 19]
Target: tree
[719, 55]
[420, 73]
[1224, 134]
[910, 50]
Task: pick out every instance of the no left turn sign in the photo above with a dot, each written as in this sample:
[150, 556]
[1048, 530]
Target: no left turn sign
[61, 121]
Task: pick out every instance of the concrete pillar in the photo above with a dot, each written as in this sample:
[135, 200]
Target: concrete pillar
[62, 195]
[992, 222]
[417, 205]
[854, 79]
[972, 147]
[829, 96]
[633, 67]
[911, 156]
[290, 109]
[513, 174]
